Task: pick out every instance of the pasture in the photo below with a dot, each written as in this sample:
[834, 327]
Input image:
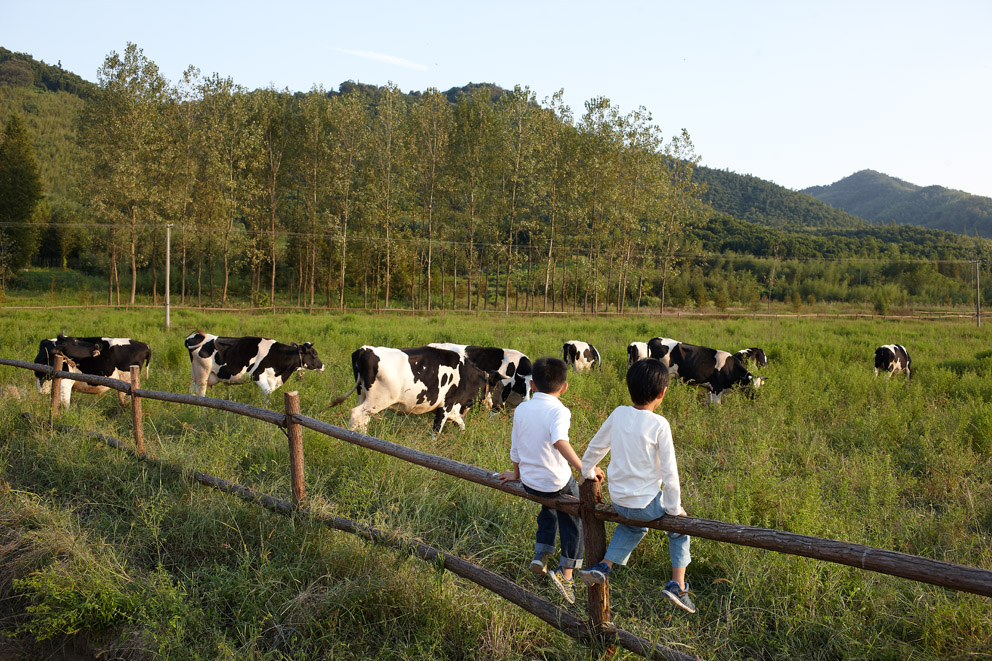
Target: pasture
[137, 559]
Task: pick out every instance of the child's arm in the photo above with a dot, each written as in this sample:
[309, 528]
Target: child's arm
[597, 449]
[565, 448]
[510, 475]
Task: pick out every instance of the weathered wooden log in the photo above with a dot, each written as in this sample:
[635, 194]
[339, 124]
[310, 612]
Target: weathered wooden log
[451, 467]
[265, 415]
[903, 565]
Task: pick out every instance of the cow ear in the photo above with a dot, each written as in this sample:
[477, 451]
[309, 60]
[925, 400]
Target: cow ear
[307, 345]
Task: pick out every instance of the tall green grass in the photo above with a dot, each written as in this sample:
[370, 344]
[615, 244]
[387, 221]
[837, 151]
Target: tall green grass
[139, 558]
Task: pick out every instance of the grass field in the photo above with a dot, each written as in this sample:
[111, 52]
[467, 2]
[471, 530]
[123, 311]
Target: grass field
[137, 561]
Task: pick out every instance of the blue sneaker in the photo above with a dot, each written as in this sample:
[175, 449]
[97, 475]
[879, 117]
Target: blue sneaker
[678, 596]
[595, 575]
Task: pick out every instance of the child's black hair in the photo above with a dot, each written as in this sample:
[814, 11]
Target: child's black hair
[549, 374]
[645, 380]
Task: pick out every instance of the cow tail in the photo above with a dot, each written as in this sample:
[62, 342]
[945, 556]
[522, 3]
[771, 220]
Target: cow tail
[338, 400]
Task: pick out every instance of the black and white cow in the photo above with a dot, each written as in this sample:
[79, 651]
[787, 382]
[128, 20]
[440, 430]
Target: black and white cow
[101, 356]
[416, 380]
[892, 358]
[660, 348]
[753, 353]
[636, 351]
[580, 355]
[234, 360]
[514, 368]
[712, 369]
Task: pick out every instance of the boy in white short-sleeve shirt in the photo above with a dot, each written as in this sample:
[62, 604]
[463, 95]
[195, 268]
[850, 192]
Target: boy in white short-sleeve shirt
[543, 461]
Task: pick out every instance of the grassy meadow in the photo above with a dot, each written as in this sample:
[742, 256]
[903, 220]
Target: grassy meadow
[136, 560]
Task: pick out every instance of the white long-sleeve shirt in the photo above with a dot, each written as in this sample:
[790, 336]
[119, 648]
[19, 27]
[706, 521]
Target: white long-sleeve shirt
[538, 424]
[642, 459]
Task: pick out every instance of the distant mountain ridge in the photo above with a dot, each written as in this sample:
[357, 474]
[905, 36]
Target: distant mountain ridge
[880, 198]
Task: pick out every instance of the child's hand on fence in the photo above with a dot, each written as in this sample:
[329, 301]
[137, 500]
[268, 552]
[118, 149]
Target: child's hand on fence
[507, 476]
[599, 474]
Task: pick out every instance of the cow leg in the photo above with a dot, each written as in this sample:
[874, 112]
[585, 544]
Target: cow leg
[440, 415]
[121, 399]
[65, 392]
[455, 415]
[359, 420]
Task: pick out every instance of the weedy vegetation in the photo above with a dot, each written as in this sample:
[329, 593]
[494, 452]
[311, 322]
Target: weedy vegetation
[134, 559]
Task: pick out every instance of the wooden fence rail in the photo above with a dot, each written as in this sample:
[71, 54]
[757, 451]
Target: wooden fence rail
[935, 572]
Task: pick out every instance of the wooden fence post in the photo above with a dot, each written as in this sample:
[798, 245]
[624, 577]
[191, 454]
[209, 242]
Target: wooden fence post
[594, 536]
[56, 387]
[137, 421]
[295, 434]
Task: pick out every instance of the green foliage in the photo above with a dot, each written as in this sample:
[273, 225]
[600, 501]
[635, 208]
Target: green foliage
[164, 566]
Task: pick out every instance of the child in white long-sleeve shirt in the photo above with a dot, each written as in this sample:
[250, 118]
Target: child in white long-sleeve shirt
[642, 477]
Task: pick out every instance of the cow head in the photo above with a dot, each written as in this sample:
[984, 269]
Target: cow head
[636, 351]
[308, 357]
[883, 358]
[74, 348]
[46, 356]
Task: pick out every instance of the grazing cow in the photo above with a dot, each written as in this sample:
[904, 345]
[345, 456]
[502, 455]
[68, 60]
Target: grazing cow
[636, 351]
[660, 348]
[892, 358]
[580, 355]
[712, 369]
[514, 368]
[416, 380]
[101, 356]
[755, 354]
[234, 360]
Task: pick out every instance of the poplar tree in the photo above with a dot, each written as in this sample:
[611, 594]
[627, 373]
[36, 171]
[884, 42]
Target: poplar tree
[432, 122]
[121, 128]
[20, 193]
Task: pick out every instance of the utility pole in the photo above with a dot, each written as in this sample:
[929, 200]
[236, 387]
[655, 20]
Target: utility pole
[978, 297]
[168, 261]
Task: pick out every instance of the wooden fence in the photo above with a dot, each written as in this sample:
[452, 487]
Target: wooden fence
[597, 629]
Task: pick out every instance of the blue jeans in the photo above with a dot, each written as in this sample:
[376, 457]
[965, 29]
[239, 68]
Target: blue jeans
[626, 538]
[550, 522]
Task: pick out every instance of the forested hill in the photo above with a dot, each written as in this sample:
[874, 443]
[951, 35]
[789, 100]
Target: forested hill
[880, 198]
[756, 200]
[22, 70]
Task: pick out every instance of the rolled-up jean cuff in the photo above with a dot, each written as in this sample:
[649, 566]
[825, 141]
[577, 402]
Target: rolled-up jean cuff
[544, 548]
[678, 549]
[571, 563]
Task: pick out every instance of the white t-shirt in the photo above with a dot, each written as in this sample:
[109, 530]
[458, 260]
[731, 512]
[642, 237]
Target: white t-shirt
[642, 459]
[538, 424]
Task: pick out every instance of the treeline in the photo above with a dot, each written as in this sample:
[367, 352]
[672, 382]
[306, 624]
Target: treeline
[475, 198]
[401, 200]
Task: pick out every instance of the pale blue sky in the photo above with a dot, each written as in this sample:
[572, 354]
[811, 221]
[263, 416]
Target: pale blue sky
[799, 93]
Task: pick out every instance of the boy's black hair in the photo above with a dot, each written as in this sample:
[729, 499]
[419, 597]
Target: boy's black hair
[645, 380]
[549, 374]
